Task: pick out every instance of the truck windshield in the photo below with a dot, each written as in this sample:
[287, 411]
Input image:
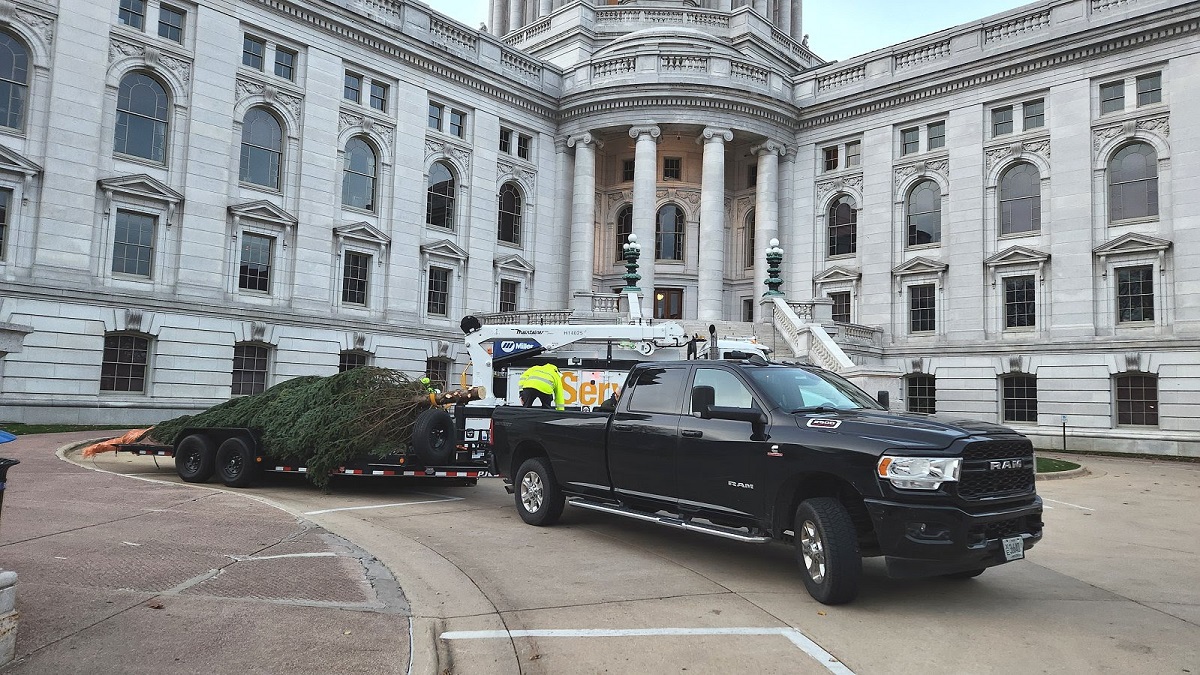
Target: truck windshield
[799, 389]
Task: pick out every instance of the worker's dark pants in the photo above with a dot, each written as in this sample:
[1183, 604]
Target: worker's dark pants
[528, 396]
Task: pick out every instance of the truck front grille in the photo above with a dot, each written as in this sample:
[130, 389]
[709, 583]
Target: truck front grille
[997, 469]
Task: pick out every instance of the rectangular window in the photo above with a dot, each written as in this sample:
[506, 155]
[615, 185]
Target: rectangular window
[748, 310]
[524, 146]
[853, 153]
[350, 360]
[6, 197]
[253, 50]
[1135, 293]
[355, 270]
[1019, 299]
[921, 309]
[1149, 89]
[1020, 398]
[1112, 97]
[437, 299]
[937, 135]
[132, 13]
[506, 140]
[170, 23]
[830, 159]
[133, 244]
[249, 370]
[352, 89]
[921, 394]
[672, 168]
[1137, 400]
[379, 95]
[1034, 113]
[627, 170]
[285, 63]
[1002, 120]
[254, 274]
[910, 141]
[508, 295]
[124, 364]
[438, 372]
[458, 123]
[841, 306]
[435, 116]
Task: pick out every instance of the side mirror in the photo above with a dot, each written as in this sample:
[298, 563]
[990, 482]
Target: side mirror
[883, 398]
[703, 398]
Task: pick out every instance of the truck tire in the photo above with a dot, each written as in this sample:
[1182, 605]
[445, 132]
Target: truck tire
[539, 499]
[434, 437]
[195, 458]
[967, 574]
[235, 463]
[827, 550]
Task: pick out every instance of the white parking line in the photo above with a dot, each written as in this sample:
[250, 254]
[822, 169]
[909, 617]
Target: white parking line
[1085, 508]
[384, 506]
[796, 637]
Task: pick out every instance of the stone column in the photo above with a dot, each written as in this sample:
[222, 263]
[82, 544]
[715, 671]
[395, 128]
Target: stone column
[725, 5]
[498, 17]
[760, 6]
[583, 221]
[711, 269]
[545, 7]
[645, 183]
[766, 213]
[785, 17]
[797, 23]
[516, 14]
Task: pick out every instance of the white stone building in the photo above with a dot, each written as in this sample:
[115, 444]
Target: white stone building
[199, 199]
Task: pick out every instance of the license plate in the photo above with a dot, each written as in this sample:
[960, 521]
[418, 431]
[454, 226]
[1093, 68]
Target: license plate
[1014, 548]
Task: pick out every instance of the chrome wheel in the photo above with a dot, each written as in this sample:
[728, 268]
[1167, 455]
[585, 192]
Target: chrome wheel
[532, 492]
[813, 551]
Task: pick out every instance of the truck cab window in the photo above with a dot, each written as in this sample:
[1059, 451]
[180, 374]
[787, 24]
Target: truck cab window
[798, 388]
[730, 392]
[658, 390]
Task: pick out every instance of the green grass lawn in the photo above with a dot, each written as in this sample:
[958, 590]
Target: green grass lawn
[1045, 465]
[22, 429]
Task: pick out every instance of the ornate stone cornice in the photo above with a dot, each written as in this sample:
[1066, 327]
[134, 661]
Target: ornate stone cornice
[1159, 124]
[458, 153]
[42, 26]
[153, 57]
[940, 166]
[287, 100]
[690, 196]
[999, 153]
[348, 119]
[524, 175]
[854, 180]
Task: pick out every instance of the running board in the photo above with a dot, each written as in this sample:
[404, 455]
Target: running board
[670, 521]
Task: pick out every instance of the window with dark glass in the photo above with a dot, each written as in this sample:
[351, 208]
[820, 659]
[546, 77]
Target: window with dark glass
[132, 13]
[843, 227]
[831, 159]
[853, 153]
[124, 362]
[627, 170]
[249, 369]
[509, 214]
[254, 273]
[379, 95]
[921, 393]
[285, 63]
[921, 309]
[624, 229]
[253, 51]
[1002, 120]
[437, 297]
[6, 197]
[351, 359]
[170, 23]
[1137, 400]
[910, 141]
[133, 244]
[358, 178]
[751, 175]
[434, 119]
[668, 303]
[668, 233]
[458, 123]
[751, 255]
[841, 306]
[14, 82]
[1020, 308]
[672, 168]
[748, 310]
[506, 140]
[1112, 97]
[659, 390]
[141, 117]
[438, 372]
[1149, 89]
[262, 148]
[352, 87]
[1135, 293]
[439, 198]
[1020, 199]
[925, 213]
[1020, 398]
[356, 268]
[524, 146]
[937, 135]
[1133, 183]
[508, 295]
[1034, 113]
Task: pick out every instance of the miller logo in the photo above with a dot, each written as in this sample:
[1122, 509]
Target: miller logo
[1000, 464]
[513, 345]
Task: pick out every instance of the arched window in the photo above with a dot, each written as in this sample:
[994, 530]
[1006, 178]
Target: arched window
[1133, 183]
[14, 82]
[509, 215]
[843, 226]
[925, 213]
[262, 148]
[358, 178]
[668, 233]
[142, 117]
[439, 196]
[1020, 199]
[749, 240]
[624, 229]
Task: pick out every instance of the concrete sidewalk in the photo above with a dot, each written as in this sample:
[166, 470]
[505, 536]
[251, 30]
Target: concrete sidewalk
[121, 575]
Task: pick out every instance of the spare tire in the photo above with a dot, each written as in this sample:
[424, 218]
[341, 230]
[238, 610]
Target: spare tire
[434, 437]
[195, 458]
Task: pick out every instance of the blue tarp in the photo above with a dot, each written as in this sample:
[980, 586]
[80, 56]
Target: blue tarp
[6, 437]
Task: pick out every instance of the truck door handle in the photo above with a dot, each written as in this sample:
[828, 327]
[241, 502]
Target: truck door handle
[692, 434]
[622, 427]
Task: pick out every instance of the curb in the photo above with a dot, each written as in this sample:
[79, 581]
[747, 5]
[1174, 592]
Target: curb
[1063, 475]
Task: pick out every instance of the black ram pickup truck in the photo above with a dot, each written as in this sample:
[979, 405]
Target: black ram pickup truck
[757, 452]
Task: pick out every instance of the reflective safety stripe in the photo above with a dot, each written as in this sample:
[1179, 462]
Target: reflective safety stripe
[547, 381]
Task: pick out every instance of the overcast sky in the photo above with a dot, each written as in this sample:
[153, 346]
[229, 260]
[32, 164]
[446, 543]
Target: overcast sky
[837, 29]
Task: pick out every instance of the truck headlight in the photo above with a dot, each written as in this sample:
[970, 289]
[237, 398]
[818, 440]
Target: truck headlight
[918, 473]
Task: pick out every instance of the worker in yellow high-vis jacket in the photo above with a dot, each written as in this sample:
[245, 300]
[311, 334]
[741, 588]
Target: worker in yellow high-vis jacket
[540, 383]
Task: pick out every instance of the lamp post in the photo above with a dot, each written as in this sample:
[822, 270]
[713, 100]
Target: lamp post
[631, 252]
[774, 259]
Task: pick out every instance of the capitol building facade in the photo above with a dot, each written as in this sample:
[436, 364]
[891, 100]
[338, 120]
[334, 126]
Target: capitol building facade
[199, 199]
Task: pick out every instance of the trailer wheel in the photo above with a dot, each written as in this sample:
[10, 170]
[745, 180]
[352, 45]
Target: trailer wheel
[827, 550]
[539, 499]
[235, 463]
[195, 458]
[434, 437]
